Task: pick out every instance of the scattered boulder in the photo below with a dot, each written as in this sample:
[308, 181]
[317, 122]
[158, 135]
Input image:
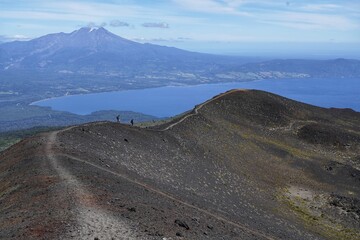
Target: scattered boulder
[182, 224]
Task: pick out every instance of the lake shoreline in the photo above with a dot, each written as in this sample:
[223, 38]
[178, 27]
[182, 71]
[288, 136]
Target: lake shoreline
[338, 93]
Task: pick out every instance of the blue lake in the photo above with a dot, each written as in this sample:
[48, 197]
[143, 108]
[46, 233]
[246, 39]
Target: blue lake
[173, 100]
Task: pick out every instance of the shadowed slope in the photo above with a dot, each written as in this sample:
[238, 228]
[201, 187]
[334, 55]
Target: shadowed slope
[243, 165]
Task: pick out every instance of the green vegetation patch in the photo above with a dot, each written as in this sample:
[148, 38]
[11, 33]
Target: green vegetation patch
[318, 223]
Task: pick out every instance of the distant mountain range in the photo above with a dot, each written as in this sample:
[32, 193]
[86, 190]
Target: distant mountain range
[96, 51]
[316, 68]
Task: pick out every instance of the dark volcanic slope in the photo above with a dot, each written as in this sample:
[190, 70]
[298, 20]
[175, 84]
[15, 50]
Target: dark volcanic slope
[244, 165]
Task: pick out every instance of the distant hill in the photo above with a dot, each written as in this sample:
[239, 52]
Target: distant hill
[33, 116]
[244, 165]
[316, 68]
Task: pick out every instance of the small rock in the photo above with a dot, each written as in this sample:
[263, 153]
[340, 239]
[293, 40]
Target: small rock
[182, 224]
[179, 234]
[132, 209]
[210, 227]
[195, 219]
[158, 234]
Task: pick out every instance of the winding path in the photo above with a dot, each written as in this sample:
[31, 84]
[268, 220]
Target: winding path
[93, 221]
[198, 107]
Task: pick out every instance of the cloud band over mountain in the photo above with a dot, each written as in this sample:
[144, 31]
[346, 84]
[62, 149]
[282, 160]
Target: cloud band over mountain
[118, 23]
[155, 25]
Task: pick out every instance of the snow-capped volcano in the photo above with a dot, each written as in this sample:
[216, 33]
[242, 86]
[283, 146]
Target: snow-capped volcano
[86, 48]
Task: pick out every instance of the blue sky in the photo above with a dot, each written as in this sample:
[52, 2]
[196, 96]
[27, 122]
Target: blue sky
[313, 28]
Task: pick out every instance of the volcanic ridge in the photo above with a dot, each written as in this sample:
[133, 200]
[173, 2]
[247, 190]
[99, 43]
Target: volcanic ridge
[246, 164]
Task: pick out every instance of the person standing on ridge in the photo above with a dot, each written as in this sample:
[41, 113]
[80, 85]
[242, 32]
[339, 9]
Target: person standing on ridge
[118, 118]
[132, 122]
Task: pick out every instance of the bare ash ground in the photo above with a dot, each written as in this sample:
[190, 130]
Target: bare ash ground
[244, 165]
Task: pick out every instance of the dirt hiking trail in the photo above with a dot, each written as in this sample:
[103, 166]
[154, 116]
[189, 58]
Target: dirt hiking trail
[92, 221]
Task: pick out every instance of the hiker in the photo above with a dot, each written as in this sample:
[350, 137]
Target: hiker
[132, 122]
[118, 118]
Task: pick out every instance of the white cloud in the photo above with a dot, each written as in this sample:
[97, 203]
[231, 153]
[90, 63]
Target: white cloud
[345, 7]
[93, 12]
[118, 23]
[4, 38]
[300, 16]
[38, 15]
[95, 25]
[223, 18]
[144, 40]
[97, 10]
[309, 20]
[72, 11]
[321, 7]
[212, 6]
[155, 25]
